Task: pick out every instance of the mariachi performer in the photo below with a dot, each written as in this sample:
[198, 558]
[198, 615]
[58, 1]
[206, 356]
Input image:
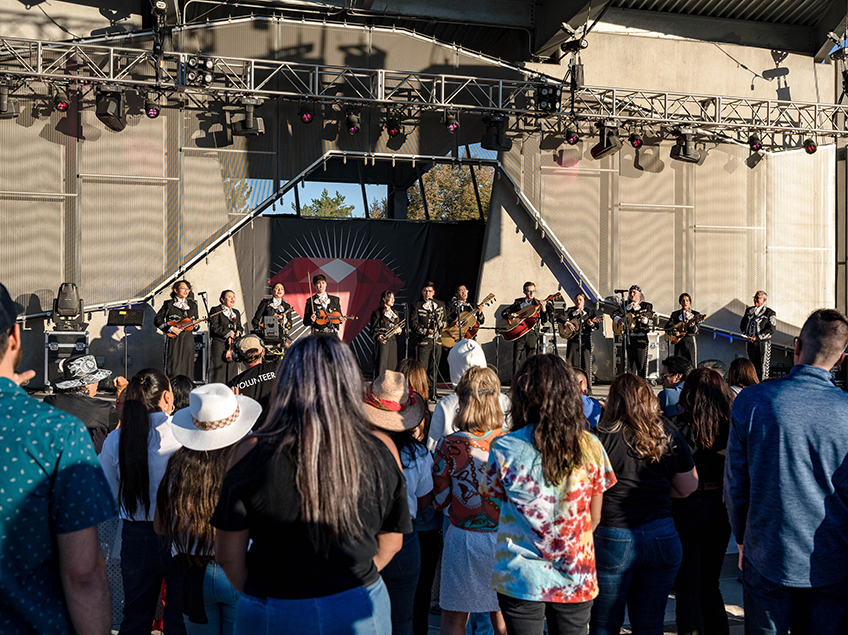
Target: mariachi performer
[224, 328]
[316, 315]
[275, 306]
[385, 326]
[179, 348]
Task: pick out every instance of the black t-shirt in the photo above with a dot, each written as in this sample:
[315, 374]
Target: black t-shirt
[94, 413]
[257, 382]
[259, 494]
[641, 494]
[709, 462]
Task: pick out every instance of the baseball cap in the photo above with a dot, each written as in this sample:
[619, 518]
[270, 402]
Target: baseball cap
[9, 310]
[248, 343]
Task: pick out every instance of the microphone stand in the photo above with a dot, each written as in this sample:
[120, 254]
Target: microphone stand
[625, 338]
[432, 326]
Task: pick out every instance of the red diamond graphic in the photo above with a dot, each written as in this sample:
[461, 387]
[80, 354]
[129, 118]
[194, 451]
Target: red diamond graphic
[357, 281]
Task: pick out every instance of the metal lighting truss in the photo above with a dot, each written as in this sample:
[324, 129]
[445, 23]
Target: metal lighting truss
[81, 64]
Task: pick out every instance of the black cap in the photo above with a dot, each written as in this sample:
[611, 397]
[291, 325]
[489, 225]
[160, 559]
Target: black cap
[8, 310]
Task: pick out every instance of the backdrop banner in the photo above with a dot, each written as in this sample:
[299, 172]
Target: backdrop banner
[360, 258]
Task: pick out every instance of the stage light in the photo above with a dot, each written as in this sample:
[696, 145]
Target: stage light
[810, 146]
[151, 106]
[251, 125]
[754, 143]
[305, 113]
[159, 8]
[495, 137]
[353, 121]
[451, 121]
[548, 98]
[394, 127]
[110, 107]
[609, 142]
[199, 70]
[636, 140]
[60, 100]
[8, 107]
[572, 136]
[684, 150]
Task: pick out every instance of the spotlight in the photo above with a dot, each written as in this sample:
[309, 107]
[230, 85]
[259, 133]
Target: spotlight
[609, 142]
[60, 100]
[754, 143]
[394, 127]
[451, 121]
[151, 106]
[810, 146]
[572, 136]
[685, 149]
[305, 113]
[548, 98]
[8, 107]
[159, 8]
[353, 120]
[636, 140]
[250, 126]
[495, 137]
[199, 70]
[111, 108]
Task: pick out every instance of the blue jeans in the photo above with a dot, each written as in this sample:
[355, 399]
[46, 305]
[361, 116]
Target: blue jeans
[358, 611]
[145, 561]
[401, 578]
[636, 568]
[219, 601]
[771, 608]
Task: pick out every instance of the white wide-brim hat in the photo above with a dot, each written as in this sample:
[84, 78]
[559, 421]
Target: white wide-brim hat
[215, 418]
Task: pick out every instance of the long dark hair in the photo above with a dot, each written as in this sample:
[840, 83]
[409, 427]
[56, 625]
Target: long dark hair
[708, 399]
[633, 408]
[141, 398]
[187, 496]
[545, 392]
[742, 372]
[181, 386]
[318, 418]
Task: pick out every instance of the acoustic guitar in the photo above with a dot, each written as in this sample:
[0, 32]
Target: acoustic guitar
[467, 323]
[632, 319]
[524, 320]
[677, 332]
[572, 327]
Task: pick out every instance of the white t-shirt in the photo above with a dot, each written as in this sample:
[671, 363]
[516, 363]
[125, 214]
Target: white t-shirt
[161, 444]
[418, 476]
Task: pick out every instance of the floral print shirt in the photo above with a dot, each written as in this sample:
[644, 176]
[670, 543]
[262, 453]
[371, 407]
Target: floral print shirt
[545, 551]
[458, 477]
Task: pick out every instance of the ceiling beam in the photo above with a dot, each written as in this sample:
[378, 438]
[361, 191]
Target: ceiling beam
[550, 17]
[833, 20]
[504, 13]
[782, 37]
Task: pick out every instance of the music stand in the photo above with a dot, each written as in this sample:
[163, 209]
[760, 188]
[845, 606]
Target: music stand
[125, 318]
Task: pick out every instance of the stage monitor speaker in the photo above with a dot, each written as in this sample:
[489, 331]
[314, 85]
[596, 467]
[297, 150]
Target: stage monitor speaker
[125, 317]
[201, 363]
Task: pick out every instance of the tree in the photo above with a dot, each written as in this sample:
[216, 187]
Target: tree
[379, 209]
[237, 193]
[326, 206]
[450, 193]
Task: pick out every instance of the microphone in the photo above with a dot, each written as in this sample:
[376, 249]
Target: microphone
[204, 293]
[621, 290]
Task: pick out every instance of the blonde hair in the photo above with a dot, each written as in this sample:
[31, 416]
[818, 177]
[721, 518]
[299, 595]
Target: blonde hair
[479, 401]
[633, 410]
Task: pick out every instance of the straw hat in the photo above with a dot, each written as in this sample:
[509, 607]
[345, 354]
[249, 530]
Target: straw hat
[215, 418]
[391, 405]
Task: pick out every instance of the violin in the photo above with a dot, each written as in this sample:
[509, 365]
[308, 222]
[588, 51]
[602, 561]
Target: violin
[323, 317]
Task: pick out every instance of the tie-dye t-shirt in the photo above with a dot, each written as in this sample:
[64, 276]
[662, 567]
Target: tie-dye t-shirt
[545, 551]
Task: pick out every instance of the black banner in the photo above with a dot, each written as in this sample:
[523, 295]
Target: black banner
[360, 258]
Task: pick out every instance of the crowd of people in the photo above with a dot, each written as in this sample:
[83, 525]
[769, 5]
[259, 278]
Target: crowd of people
[325, 506]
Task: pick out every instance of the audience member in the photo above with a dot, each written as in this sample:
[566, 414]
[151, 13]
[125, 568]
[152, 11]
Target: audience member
[464, 355]
[134, 459]
[257, 381]
[78, 395]
[52, 572]
[741, 373]
[592, 408]
[208, 430]
[468, 558]
[786, 487]
[320, 495]
[675, 369]
[393, 407]
[637, 549]
[416, 377]
[550, 475]
[181, 386]
[701, 518]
